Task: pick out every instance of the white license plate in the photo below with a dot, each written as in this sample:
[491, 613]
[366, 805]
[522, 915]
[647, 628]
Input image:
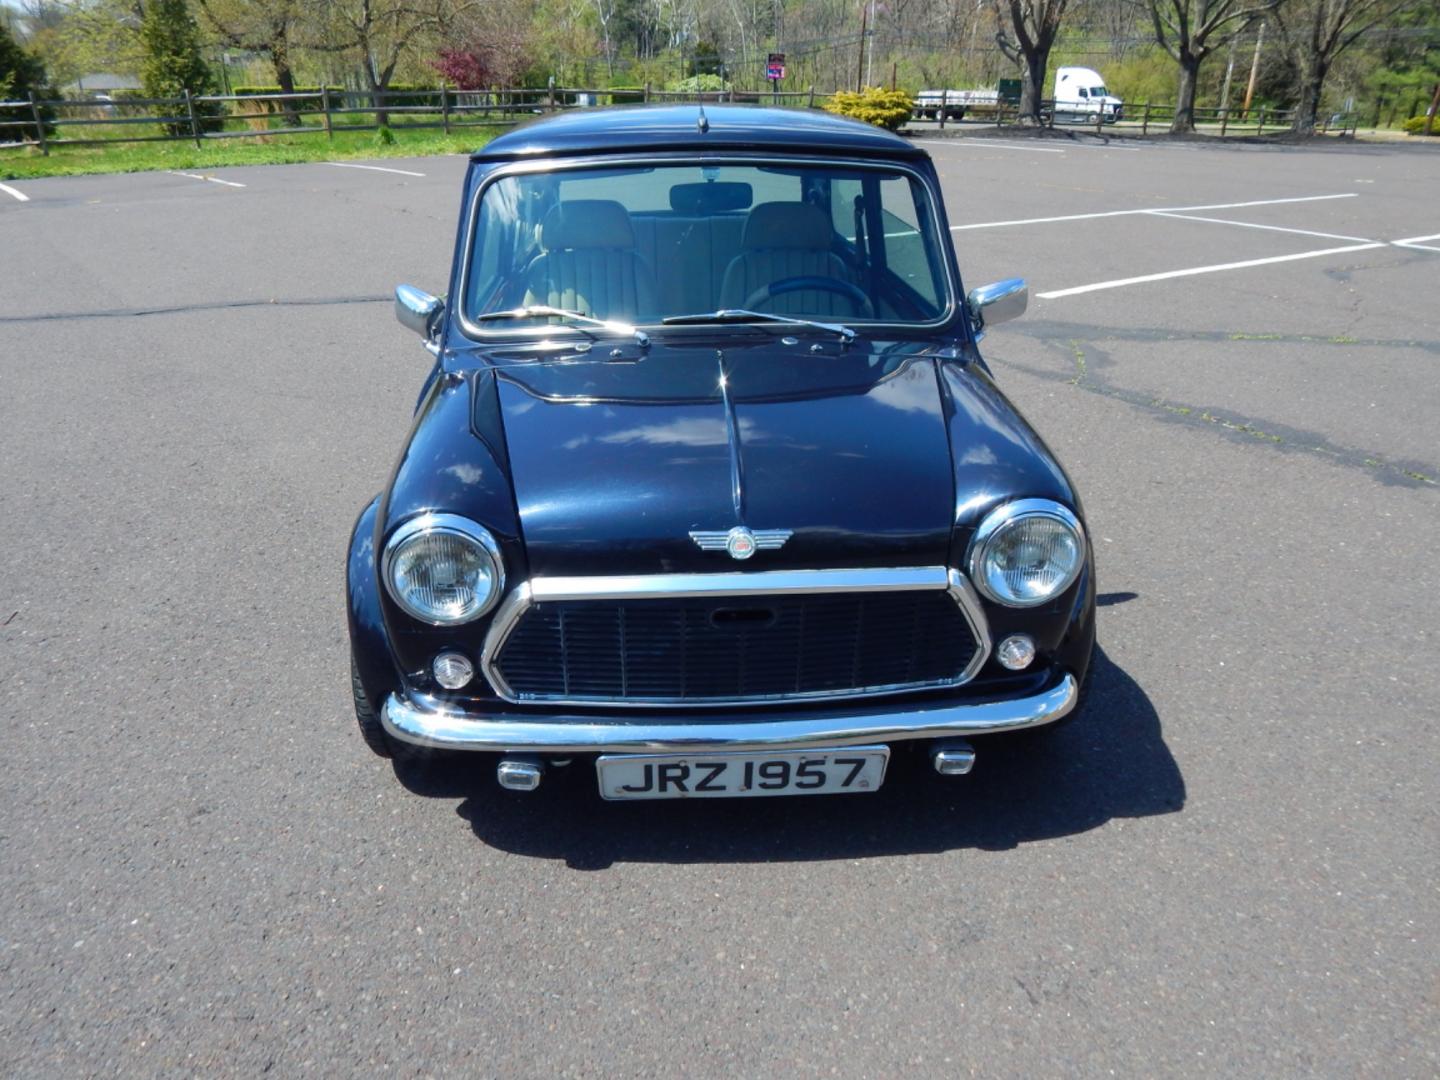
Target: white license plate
[742, 775]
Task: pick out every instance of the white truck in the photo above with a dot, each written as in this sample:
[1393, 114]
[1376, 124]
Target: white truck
[929, 104]
[1080, 96]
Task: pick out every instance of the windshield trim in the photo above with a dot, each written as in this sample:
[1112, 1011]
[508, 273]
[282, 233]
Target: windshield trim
[484, 333]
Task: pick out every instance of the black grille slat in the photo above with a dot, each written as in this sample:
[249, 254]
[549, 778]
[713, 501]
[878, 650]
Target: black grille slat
[783, 646]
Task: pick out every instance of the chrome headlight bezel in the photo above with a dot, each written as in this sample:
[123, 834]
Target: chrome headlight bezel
[993, 528]
[452, 525]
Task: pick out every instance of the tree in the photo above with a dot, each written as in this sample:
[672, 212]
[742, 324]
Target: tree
[1035, 23]
[260, 26]
[20, 71]
[494, 46]
[82, 38]
[383, 32]
[605, 15]
[1405, 68]
[172, 64]
[21, 74]
[1190, 30]
[481, 62]
[1315, 32]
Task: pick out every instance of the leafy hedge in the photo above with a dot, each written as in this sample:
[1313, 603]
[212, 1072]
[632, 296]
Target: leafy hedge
[1416, 125]
[698, 84]
[874, 105]
[398, 94]
[299, 105]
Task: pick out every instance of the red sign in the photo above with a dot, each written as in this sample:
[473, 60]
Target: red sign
[775, 66]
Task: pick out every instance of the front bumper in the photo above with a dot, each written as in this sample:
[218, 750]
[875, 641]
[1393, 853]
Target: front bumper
[426, 721]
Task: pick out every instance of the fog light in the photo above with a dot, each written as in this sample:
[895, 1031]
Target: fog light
[452, 670]
[1016, 652]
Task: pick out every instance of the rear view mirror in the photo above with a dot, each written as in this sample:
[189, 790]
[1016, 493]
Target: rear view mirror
[417, 310]
[993, 304]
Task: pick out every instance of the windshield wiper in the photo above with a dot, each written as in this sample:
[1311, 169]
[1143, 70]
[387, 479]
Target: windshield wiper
[545, 311]
[741, 315]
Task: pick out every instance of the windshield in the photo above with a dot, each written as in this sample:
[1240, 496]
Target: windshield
[832, 243]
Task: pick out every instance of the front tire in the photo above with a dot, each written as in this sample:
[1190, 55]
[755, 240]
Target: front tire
[371, 729]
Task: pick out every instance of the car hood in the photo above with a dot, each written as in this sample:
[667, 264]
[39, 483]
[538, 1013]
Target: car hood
[614, 464]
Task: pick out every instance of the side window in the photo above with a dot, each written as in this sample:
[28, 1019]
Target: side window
[843, 194]
[906, 254]
[1084, 93]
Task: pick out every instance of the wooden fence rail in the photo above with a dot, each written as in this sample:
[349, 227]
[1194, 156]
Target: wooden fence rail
[1143, 117]
[326, 111]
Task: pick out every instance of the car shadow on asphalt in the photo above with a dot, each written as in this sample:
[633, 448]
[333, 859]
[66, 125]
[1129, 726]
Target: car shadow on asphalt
[1111, 763]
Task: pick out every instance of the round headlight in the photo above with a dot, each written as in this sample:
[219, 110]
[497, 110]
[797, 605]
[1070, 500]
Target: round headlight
[443, 569]
[1027, 552]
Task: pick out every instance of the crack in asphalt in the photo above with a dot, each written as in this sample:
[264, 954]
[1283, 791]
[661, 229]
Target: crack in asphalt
[1402, 473]
[183, 309]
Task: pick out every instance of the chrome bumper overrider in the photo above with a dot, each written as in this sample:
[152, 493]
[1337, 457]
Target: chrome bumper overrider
[426, 722]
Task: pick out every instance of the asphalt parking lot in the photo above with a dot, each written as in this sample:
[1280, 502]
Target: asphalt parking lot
[1229, 869]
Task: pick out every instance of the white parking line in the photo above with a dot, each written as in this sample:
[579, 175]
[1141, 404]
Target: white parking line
[372, 168]
[1057, 293]
[212, 179]
[1409, 242]
[1270, 228]
[1150, 210]
[11, 191]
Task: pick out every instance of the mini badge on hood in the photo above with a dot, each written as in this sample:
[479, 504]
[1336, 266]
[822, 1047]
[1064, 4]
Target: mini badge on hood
[741, 542]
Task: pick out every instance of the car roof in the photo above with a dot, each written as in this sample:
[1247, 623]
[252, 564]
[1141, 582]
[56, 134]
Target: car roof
[632, 128]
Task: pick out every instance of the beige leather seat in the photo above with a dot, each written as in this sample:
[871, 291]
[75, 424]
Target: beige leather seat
[588, 263]
[786, 240]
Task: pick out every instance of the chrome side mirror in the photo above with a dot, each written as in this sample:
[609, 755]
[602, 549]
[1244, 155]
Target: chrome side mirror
[997, 303]
[417, 310]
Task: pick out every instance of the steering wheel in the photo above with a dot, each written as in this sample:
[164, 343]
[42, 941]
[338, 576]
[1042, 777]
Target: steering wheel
[863, 307]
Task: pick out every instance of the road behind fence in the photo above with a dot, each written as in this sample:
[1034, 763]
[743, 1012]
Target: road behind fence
[1143, 118]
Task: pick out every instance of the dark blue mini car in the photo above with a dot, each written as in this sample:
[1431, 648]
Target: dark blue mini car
[709, 484]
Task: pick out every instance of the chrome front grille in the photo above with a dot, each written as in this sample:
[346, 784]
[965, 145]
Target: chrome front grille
[712, 647]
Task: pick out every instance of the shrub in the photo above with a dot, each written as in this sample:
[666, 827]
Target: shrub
[874, 105]
[698, 84]
[1416, 125]
[399, 94]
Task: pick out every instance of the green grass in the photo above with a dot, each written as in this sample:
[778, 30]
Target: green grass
[29, 163]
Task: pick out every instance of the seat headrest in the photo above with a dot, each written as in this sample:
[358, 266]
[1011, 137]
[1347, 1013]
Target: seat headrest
[787, 225]
[586, 223]
[699, 200]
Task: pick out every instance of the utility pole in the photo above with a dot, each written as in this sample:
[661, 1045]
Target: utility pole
[864, 36]
[870, 48]
[1229, 70]
[1254, 70]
